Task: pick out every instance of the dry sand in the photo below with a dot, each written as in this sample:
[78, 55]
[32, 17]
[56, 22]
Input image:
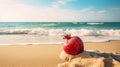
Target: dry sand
[45, 55]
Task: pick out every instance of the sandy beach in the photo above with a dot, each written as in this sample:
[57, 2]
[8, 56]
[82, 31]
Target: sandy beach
[45, 55]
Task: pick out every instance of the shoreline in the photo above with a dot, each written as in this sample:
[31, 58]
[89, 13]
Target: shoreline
[38, 39]
[45, 55]
[51, 43]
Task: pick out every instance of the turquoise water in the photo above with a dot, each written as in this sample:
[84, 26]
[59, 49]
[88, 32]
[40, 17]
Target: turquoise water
[78, 28]
[61, 25]
[52, 32]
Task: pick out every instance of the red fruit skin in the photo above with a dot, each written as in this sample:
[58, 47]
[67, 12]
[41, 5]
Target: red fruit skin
[73, 46]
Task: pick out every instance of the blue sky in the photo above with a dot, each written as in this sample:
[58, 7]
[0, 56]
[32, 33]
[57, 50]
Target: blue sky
[60, 10]
[77, 4]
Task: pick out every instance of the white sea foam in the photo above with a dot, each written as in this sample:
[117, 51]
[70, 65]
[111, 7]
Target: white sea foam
[38, 39]
[95, 23]
[38, 36]
[52, 32]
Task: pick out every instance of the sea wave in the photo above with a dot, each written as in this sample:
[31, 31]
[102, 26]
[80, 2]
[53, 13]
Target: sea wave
[95, 23]
[48, 25]
[52, 32]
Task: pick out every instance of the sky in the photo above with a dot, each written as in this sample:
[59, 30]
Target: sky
[59, 10]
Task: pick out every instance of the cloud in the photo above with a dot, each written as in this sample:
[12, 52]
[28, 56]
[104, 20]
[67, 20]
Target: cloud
[116, 8]
[102, 12]
[86, 9]
[59, 3]
[13, 10]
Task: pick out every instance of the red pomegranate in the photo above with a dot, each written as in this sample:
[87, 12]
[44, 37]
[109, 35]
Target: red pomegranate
[74, 45]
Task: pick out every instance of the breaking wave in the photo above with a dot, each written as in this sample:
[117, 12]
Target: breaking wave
[48, 25]
[95, 23]
[49, 32]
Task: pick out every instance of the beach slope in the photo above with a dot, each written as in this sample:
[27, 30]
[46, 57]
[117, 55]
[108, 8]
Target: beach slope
[46, 55]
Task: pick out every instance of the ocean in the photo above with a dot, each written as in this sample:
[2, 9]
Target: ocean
[52, 32]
